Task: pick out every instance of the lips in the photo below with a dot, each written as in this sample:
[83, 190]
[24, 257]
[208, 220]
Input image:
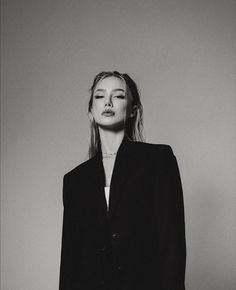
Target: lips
[108, 113]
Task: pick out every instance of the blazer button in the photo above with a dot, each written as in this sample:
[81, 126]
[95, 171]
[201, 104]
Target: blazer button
[119, 268]
[115, 235]
[115, 239]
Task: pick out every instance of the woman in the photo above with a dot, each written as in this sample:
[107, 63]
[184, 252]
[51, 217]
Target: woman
[123, 224]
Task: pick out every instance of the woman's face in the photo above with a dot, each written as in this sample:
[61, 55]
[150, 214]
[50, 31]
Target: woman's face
[110, 103]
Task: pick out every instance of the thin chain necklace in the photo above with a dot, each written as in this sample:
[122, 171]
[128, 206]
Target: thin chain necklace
[108, 155]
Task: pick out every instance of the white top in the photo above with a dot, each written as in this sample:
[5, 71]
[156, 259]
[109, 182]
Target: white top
[107, 193]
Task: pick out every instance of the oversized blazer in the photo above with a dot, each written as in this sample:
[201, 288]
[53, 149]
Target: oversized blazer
[138, 242]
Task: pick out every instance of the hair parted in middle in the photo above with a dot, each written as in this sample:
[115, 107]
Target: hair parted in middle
[133, 126]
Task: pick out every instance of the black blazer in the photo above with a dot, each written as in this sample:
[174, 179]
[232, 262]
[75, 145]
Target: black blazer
[139, 244]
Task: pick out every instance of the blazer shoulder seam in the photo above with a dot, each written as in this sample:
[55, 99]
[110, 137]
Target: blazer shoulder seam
[78, 168]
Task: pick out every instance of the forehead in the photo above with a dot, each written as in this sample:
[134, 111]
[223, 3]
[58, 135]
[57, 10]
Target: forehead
[110, 83]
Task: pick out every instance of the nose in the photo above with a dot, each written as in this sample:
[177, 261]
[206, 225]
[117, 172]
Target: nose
[108, 101]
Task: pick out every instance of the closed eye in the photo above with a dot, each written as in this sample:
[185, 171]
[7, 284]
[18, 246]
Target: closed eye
[120, 96]
[98, 97]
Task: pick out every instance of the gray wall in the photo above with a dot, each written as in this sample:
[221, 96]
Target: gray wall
[181, 53]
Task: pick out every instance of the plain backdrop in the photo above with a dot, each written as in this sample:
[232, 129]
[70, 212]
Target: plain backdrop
[182, 56]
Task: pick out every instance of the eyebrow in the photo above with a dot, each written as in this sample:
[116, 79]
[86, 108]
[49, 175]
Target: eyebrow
[115, 90]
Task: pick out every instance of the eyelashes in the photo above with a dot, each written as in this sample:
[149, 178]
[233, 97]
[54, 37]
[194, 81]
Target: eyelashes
[118, 97]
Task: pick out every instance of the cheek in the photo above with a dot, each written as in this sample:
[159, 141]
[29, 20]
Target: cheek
[122, 110]
[96, 107]
[125, 109]
[94, 112]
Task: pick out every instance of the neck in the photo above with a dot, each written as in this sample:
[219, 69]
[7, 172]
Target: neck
[110, 141]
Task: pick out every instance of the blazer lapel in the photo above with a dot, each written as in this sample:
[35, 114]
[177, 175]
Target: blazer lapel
[98, 181]
[121, 170]
[119, 176]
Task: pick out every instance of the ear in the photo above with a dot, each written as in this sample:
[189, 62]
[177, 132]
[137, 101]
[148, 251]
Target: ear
[133, 111]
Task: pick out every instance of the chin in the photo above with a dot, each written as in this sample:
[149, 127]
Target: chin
[113, 126]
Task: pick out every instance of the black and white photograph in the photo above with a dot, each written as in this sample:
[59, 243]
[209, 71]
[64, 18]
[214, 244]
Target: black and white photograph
[118, 145]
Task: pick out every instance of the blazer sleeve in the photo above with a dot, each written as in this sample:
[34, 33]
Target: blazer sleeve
[67, 265]
[64, 241]
[171, 224]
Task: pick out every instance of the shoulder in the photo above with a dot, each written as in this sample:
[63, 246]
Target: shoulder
[161, 155]
[157, 149]
[80, 170]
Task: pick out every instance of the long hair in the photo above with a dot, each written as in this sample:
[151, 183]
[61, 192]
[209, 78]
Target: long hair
[133, 125]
